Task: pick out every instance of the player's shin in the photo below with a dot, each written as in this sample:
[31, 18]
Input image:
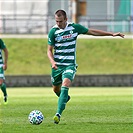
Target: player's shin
[62, 99]
[3, 88]
[57, 90]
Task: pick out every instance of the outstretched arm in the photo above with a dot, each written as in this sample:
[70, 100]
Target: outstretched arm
[96, 32]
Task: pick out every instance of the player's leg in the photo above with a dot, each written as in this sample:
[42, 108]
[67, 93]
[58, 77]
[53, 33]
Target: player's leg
[2, 84]
[3, 88]
[63, 99]
[57, 89]
[56, 79]
[67, 76]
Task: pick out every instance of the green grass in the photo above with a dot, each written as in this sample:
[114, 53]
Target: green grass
[90, 110]
[94, 56]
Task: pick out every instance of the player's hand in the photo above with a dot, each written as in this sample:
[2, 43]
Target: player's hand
[4, 66]
[54, 66]
[118, 34]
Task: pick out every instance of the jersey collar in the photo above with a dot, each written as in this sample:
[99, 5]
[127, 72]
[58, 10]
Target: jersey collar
[56, 26]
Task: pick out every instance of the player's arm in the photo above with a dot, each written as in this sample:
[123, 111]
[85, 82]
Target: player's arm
[5, 58]
[51, 57]
[96, 32]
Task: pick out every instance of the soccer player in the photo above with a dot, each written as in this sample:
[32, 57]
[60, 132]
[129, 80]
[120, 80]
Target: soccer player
[3, 66]
[62, 39]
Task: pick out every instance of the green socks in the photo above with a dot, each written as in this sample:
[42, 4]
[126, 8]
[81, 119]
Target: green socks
[3, 88]
[62, 99]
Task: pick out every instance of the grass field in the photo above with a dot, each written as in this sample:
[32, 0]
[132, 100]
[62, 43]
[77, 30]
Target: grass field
[90, 110]
[94, 56]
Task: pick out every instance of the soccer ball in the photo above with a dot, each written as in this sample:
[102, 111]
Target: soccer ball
[35, 117]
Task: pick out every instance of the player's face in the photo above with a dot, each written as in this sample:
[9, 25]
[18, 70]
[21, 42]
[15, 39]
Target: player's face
[61, 21]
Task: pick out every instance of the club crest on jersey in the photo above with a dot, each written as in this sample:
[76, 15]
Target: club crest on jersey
[71, 31]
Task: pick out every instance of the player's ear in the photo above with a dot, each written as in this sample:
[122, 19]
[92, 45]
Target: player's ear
[66, 19]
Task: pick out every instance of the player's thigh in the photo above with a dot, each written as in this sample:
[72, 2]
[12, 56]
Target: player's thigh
[69, 73]
[56, 77]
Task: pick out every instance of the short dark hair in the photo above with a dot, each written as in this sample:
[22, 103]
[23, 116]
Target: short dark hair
[61, 13]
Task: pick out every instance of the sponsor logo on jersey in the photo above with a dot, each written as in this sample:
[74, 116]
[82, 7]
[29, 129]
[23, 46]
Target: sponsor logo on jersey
[67, 36]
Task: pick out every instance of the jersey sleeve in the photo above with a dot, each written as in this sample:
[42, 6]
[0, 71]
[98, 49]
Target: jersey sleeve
[81, 29]
[2, 45]
[51, 37]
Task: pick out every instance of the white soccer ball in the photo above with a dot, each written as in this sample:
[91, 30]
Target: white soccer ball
[36, 117]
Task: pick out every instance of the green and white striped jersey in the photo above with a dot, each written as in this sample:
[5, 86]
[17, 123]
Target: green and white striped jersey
[64, 42]
[2, 46]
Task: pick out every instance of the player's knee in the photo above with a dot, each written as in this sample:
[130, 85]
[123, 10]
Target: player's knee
[66, 82]
[66, 85]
